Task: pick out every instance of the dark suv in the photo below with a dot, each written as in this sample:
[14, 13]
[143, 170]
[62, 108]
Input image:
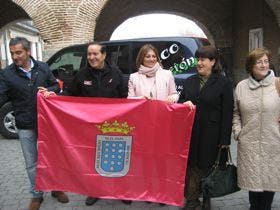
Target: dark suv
[176, 54]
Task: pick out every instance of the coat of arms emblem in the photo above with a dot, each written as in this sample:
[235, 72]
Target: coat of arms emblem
[113, 150]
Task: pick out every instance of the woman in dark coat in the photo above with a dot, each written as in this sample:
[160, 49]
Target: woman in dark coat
[212, 95]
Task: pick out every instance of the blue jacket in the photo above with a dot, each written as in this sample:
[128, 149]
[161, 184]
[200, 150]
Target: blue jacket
[21, 91]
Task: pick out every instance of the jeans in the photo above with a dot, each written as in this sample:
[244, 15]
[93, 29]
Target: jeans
[28, 141]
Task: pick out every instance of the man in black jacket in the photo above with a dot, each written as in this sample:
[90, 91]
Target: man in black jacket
[98, 79]
[20, 82]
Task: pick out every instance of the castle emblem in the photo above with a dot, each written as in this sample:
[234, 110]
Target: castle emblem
[113, 149]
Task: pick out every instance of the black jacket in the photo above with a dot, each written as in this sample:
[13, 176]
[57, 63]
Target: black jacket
[17, 87]
[107, 82]
[213, 118]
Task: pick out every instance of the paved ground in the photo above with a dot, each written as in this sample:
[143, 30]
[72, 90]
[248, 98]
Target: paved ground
[14, 190]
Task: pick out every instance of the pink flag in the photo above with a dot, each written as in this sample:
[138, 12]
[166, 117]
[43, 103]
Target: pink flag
[113, 148]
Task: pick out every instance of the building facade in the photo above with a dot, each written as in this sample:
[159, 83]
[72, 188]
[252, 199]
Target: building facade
[25, 29]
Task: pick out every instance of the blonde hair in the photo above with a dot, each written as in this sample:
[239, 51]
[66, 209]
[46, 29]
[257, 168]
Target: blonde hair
[142, 53]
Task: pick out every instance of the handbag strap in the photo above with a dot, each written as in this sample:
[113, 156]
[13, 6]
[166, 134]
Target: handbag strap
[217, 161]
[277, 84]
[229, 159]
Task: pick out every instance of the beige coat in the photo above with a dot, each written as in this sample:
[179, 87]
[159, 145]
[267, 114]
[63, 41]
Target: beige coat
[256, 128]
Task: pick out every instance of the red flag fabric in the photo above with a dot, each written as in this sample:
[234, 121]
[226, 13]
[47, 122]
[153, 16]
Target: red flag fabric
[113, 148]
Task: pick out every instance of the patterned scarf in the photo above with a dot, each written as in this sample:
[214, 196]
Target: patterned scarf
[202, 81]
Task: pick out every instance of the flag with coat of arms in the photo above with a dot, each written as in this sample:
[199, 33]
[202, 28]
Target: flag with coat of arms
[126, 149]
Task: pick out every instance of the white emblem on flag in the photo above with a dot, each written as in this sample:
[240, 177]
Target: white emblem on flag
[113, 155]
[87, 82]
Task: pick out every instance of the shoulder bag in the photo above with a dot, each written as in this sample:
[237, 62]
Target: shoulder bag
[222, 180]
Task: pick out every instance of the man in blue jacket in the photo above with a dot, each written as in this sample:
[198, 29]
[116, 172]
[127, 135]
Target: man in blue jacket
[20, 82]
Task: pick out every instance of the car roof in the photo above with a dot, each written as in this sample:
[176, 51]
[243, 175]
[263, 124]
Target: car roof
[170, 38]
[151, 39]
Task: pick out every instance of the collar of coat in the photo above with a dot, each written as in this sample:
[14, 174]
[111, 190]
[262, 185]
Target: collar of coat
[106, 68]
[34, 66]
[212, 79]
[254, 84]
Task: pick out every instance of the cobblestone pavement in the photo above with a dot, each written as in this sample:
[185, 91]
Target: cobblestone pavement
[14, 190]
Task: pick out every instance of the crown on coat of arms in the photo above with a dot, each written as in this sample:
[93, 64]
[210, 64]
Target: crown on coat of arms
[115, 127]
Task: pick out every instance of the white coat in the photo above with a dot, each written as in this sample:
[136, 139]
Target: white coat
[162, 87]
[256, 128]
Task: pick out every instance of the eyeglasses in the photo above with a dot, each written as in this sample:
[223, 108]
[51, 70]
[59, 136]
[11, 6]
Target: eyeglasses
[260, 62]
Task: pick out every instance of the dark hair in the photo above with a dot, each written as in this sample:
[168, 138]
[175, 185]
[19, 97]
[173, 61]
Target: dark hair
[210, 52]
[20, 40]
[142, 53]
[102, 47]
[253, 56]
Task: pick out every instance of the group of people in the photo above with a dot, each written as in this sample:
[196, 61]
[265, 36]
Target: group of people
[251, 111]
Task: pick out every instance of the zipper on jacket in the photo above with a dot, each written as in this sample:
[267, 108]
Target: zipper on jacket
[99, 75]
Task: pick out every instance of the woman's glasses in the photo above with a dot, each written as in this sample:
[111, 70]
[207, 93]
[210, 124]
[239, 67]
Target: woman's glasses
[262, 62]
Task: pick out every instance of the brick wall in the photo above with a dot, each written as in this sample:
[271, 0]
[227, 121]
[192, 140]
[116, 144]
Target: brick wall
[63, 22]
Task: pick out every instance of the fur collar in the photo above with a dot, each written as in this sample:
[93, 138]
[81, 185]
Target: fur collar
[254, 84]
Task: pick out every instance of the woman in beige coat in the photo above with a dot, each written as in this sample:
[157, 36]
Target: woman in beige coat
[151, 81]
[256, 128]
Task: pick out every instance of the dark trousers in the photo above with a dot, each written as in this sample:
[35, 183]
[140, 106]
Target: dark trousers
[261, 200]
[193, 179]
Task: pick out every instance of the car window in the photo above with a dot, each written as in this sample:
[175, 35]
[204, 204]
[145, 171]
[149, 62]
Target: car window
[112, 54]
[66, 64]
[69, 61]
[119, 55]
[177, 58]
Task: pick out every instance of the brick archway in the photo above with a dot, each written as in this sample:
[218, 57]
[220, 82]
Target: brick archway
[212, 18]
[275, 7]
[7, 8]
[226, 23]
[65, 22]
[42, 15]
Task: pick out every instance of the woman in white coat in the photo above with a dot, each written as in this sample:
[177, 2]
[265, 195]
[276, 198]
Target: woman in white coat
[256, 128]
[151, 81]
